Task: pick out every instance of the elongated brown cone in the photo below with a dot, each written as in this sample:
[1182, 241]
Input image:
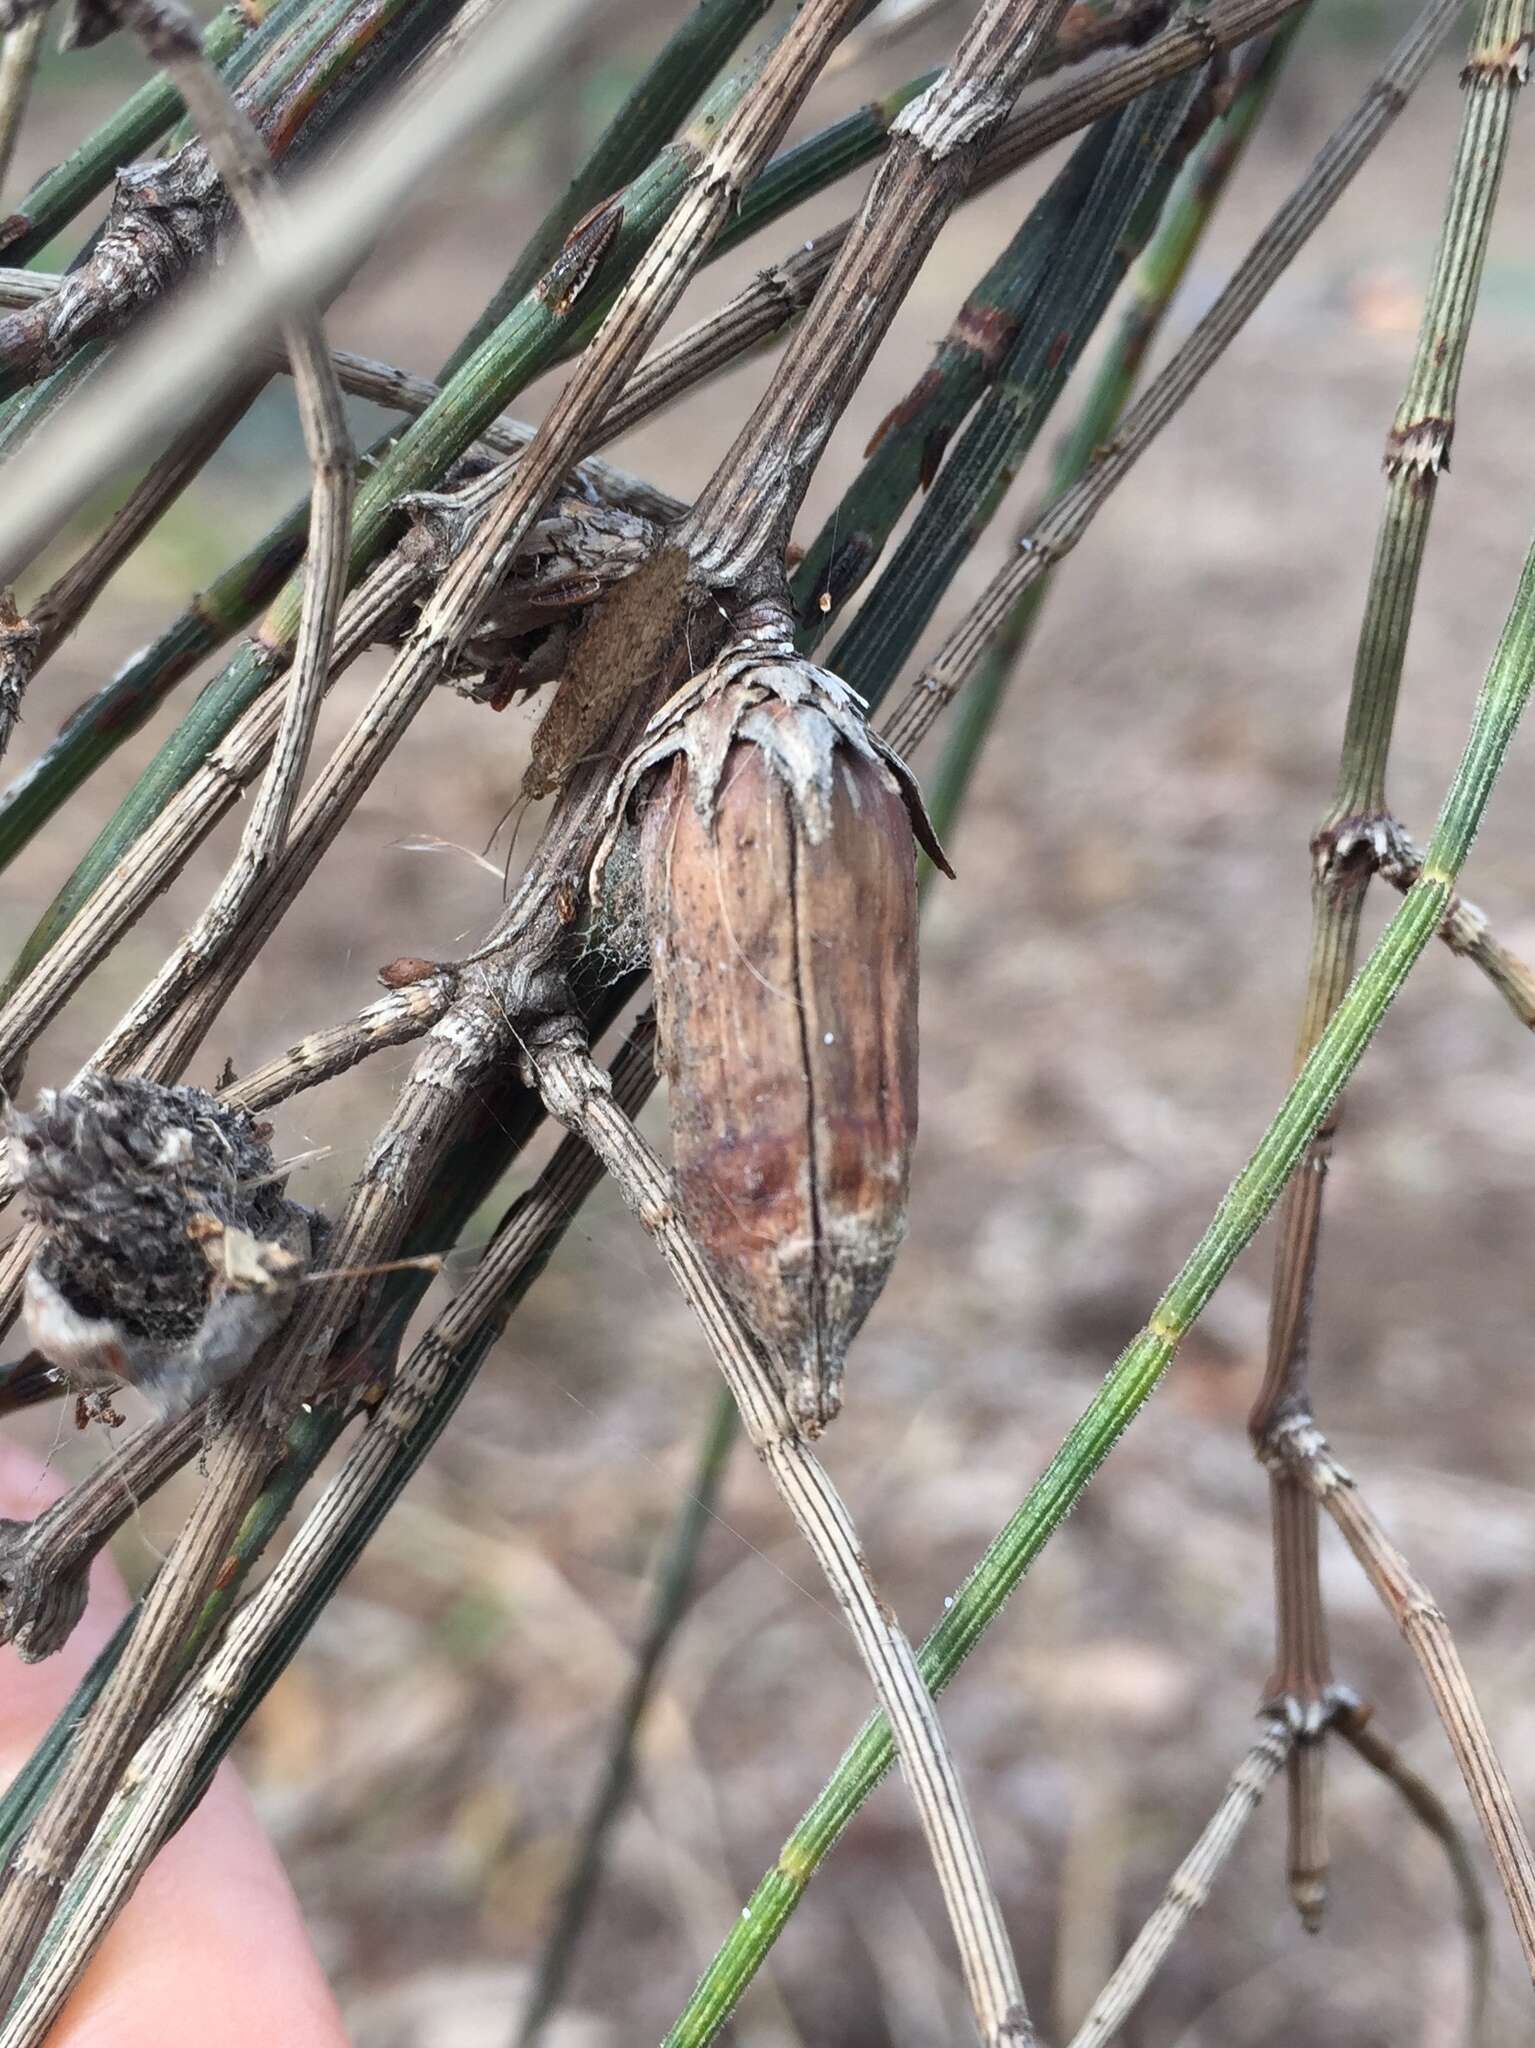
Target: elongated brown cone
[779, 879]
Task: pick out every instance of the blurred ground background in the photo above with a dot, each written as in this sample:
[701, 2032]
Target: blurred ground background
[1110, 993]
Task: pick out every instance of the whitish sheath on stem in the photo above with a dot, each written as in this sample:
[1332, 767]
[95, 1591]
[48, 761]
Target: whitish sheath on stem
[1187, 1890]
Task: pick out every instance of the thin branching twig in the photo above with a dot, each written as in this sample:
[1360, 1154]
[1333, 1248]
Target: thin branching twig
[44, 1564]
[578, 1094]
[1187, 1889]
[1358, 837]
[1305, 1453]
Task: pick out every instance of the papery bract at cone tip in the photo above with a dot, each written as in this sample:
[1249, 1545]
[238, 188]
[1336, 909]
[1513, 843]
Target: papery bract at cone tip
[746, 693]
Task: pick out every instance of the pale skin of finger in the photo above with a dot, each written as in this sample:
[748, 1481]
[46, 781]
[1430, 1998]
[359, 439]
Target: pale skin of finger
[211, 1950]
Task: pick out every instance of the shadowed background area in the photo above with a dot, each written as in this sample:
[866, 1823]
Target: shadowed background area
[1111, 989]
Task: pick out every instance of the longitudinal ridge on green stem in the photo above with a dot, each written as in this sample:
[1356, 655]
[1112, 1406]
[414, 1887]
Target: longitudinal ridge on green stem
[1150, 288]
[908, 444]
[1068, 518]
[1146, 145]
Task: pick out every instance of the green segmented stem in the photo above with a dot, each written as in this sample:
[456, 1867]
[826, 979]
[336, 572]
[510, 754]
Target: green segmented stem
[1417, 450]
[1153, 283]
[652, 110]
[1113, 225]
[904, 453]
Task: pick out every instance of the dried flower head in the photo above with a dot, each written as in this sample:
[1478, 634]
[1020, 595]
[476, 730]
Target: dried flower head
[170, 1252]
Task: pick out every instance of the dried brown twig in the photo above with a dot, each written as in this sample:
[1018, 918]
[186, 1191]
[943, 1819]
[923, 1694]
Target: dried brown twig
[579, 1095]
[737, 530]
[1190, 1885]
[170, 37]
[44, 1563]
[1187, 1889]
[1358, 837]
[138, 1687]
[742, 144]
[1299, 1446]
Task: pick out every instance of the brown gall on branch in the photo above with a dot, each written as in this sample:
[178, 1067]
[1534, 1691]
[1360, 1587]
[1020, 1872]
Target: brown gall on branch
[775, 861]
[168, 1253]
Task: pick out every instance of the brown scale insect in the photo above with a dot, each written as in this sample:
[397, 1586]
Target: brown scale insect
[580, 256]
[619, 645]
